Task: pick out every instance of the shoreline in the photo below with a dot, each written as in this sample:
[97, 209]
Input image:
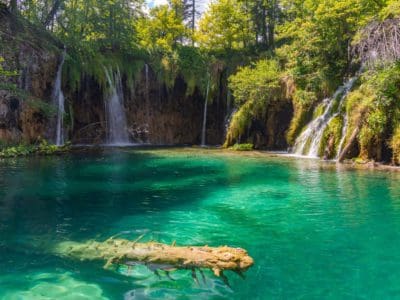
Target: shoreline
[348, 164]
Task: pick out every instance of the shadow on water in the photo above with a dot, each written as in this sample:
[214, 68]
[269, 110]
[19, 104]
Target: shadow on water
[81, 194]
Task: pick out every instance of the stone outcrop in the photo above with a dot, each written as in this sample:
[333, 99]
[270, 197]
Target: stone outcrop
[33, 55]
[155, 114]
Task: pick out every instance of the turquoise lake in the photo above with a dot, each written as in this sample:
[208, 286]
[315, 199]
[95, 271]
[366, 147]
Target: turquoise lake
[315, 231]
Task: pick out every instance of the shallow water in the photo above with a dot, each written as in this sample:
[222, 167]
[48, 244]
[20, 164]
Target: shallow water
[315, 231]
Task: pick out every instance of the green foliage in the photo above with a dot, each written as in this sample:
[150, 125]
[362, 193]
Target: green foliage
[391, 10]
[374, 106]
[20, 150]
[193, 65]
[161, 30]
[302, 101]
[299, 120]
[305, 40]
[242, 147]
[48, 110]
[332, 131]
[259, 82]
[224, 26]
[395, 145]
[44, 148]
[4, 72]
[253, 88]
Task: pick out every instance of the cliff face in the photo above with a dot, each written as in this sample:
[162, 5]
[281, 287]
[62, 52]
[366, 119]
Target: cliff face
[24, 96]
[155, 114]
[161, 116]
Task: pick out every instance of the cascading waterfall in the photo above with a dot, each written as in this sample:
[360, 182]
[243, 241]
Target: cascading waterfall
[58, 100]
[228, 119]
[311, 137]
[146, 67]
[204, 127]
[344, 131]
[117, 133]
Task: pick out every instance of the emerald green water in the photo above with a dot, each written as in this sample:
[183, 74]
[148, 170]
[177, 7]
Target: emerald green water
[315, 231]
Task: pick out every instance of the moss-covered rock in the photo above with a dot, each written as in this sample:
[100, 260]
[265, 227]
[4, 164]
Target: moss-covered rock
[395, 145]
[331, 138]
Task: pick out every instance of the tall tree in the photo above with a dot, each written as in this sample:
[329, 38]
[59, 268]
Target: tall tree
[225, 26]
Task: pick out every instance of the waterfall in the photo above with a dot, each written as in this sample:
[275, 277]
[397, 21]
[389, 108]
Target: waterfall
[58, 100]
[228, 119]
[146, 67]
[117, 133]
[344, 131]
[204, 128]
[313, 134]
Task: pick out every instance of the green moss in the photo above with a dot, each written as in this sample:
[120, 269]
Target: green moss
[48, 110]
[333, 130]
[44, 148]
[319, 110]
[395, 145]
[242, 147]
[298, 123]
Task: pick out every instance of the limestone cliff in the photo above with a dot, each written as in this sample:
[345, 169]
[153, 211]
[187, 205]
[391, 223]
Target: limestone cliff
[24, 96]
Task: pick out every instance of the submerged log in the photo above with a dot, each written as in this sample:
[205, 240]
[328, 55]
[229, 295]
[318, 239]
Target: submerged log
[120, 251]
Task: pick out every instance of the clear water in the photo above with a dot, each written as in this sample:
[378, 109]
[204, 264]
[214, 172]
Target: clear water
[315, 231]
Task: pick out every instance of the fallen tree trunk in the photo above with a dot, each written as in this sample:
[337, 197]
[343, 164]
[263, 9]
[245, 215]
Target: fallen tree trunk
[120, 251]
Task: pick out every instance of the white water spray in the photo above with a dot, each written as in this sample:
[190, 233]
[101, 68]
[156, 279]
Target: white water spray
[117, 133]
[58, 100]
[204, 127]
[313, 134]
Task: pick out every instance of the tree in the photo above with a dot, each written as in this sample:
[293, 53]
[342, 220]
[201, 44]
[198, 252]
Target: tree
[163, 29]
[264, 15]
[225, 26]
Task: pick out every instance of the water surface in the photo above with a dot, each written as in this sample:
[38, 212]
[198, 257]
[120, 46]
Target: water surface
[315, 231]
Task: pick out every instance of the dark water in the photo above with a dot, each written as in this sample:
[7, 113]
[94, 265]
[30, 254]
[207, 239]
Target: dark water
[315, 232]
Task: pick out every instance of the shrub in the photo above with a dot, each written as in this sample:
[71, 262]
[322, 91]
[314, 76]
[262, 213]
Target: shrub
[242, 147]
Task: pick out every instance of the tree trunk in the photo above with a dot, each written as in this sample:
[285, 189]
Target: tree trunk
[52, 13]
[158, 256]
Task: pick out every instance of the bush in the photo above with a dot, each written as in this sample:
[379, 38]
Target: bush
[254, 89]
[44, 148]
[242, 147]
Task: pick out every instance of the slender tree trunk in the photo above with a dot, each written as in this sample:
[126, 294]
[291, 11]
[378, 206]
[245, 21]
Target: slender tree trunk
[13, 6]
[52, 13]
[264, 27]
[271, 25]
[193, 18]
